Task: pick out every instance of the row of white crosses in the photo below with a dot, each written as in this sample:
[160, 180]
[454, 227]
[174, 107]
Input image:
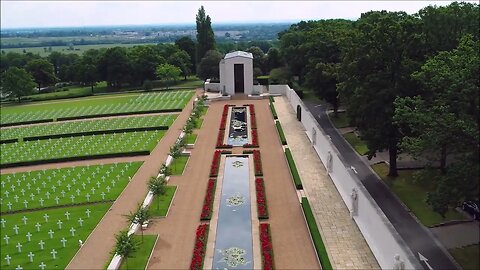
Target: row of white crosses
[79, 189]
[41, 243]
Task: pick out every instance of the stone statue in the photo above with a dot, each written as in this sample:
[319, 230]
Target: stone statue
[354, 202]
[80, 243]
[329, 162]
[398, 264]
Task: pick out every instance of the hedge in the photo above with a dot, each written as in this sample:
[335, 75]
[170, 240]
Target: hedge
[9, 141]
[283, 140]
[274, 112]
[271, 99]
[96, 132]
[316, 236]
[293, 169]
[116, 114]
[26, 122]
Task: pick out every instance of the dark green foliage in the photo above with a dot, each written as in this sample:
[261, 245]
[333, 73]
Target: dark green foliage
[186, 44]
[283, 140]
[42, 72]
[208, 66]
[293, 169]
[274, 112]
[125, 246]
[17, 81]
[205, 36]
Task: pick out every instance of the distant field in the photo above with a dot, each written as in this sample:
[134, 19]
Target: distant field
[78, 49]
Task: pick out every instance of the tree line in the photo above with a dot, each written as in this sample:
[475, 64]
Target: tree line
[409, 83]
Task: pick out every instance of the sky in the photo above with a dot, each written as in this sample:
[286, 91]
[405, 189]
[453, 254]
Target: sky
[21, 14]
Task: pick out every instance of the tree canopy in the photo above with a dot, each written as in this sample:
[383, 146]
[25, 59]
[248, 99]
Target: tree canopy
[205, 35]
[17, 81]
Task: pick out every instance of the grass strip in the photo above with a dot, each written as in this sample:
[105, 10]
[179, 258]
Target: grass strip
[140, 257]
[191, 138]
[316, 236]
[159, 206]
[283, 140]
[274, 112]
[293, 169]
[178, 165]
[359, 145]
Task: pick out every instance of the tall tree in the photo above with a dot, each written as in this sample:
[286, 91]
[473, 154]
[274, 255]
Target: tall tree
[42, 72]
[167, 73]
[125, 245]
[443, 122]
[140, 216]
[17, 81]
[259, 59]
[376, 69]
[181, 59]
[115, 67]
[273, 59]
[187, 44]
[205, 35]
[144, 60]
[208, 66]
[158, 186]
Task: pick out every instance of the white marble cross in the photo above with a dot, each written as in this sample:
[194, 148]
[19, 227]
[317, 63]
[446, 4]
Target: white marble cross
[47, 194]
[29, 235]
[41, 201]
[93, 190]
[78, 192]
[46, 217]
[41, 243]
[6, 238]
[19, 247]
[16, 198]
[103, 195]
[7, 258]
[87, 196]
[63, 241]
[9, 205]
[51, 233]
[54, 253]
[24, 218]
[56, 199]
[42, 266]
[68, 187]
[72, 230]
[32, 196]
[25, 203]
[88, 213]
[63, 193]
[15, 228]
[3, 221]
[108, 188]
[38, 226]
[19, 267]
[80, 221]
[67, 214]
[31, 255]
[6, 193]
[59, 223]
[22, 191]
[38, 190]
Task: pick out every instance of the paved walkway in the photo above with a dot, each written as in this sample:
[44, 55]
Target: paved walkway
[95, 252]
[344, 242]
[291, 241]
[458, 235]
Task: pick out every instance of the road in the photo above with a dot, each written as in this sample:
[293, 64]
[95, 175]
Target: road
[414, 234]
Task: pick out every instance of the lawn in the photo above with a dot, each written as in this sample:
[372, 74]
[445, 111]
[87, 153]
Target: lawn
[178, 165]
[190, 82]
[198, 123]
[97, 106]
[54, 187]
[467, 256]
[88, 126]
[293, 169]
[140, 257]
[356, 142]
[159, 207]
[82, 219]
[67, 92]
[413, 195]
[191, 138]
[341, 121]
[85, 146]
[283, 140]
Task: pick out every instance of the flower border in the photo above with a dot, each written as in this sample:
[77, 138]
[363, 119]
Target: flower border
[199, 247]
[266, 247]
[262, 209]
[208, 201]
[257, 162]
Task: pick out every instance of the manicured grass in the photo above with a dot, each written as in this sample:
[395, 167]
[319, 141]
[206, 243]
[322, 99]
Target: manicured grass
[283, 140]
[178, 165]
[198, 123]
[67, 92]
[191, 138]
[340, 121]
[64, 255]
[356, 142]
[293, 169]
[467, 256]
[413, 195]
[274, 112]
[88, 125]
[80, 146]
[316, 236]
[140, 257]
[127, 103]
[159, 206]
[191, 82]
[78, 181]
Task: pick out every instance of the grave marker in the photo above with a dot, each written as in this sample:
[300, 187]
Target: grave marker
[38, 226]
[6, 237]
[54, 253]
[51, 233]
[19, 247]
[41, 243]
[63, 241]
[31, 255]
[29, 235]
[59, 223]
[7, 258]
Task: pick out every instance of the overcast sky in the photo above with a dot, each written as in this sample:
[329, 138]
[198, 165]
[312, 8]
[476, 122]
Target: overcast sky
[19, 13]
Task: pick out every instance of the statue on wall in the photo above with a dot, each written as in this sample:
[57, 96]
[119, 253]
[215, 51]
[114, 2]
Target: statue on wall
[354, 202]
[329, 162]
[398, 264]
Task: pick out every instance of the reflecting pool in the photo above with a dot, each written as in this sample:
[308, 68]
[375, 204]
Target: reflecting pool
[238, 131]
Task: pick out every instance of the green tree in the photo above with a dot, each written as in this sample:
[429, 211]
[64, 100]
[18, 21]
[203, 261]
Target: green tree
[144, 60]
[17, 81]
[158, 186]
[205, 36]
[376, 69]
[181, 59]
[42, 72]
[125, 246]
[443, 122]
[208, 66]
[175, 152]
[115, 67]
[187, 44]
[274, 59]
[140, 216]
[167, 72]
[259, 60]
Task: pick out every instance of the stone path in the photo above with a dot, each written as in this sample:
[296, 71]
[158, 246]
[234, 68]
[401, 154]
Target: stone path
[95, 252]
[458, 235]
[291, 240]
[344, 242]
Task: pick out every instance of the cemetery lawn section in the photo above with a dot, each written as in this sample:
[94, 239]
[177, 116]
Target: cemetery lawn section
[55, 187]
[413, 195]
[356, 143]
[78, 127]
[63, 254]
[178, 165]
[96, 106]
[191, 138]
[467, 256]
[160, 209]
[85, 146]
[140, 257]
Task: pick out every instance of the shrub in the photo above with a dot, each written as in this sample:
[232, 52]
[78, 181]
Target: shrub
[215, 163]
[262, 209]
[257, 160]
[199, 247]
[283, 140]
[272, 109]
[280, 76]
[293, 169]
[316, 236]
[266, 247]
[208, 202]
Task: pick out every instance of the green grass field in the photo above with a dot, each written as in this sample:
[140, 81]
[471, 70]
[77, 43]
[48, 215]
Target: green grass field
[191, 138]
[341, 121]
[356, 142]
[54, 187]
[87, 126]
[140, 257]
[99, 105]
[80, 146]
[64, 254]
[178, 165]
[467, 256]
[413, 195]
[159, 206]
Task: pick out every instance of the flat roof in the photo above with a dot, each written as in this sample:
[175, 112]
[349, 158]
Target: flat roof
[238, 54]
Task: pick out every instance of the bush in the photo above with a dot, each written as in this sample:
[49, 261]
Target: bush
[283, 140]
[274, 112]
[293, 169]
[316, 236]
[280, 76]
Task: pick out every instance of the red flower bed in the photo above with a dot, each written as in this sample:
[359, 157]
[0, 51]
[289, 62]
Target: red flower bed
[215, 163]
[257, 161]
[266, 247]
[253, 121]
[199, 248]
[223, 123]
[261, 199]
[225, 109]
[208, 202]
[254, 143]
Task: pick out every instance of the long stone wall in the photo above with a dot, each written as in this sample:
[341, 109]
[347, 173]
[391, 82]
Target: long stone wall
[381, 236]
